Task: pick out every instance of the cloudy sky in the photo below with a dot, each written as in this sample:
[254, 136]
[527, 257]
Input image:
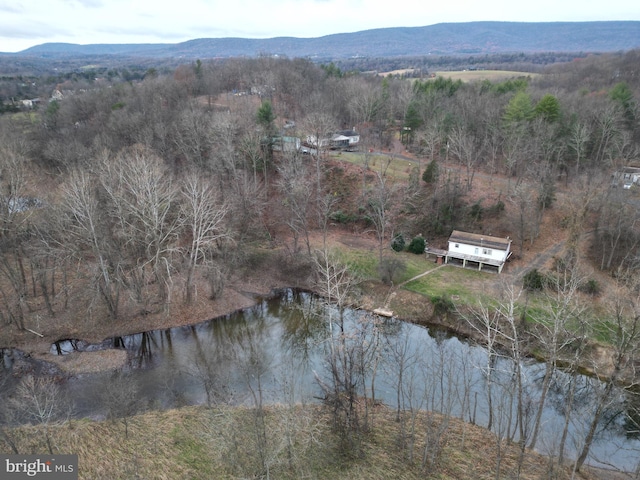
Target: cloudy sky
[25, 23]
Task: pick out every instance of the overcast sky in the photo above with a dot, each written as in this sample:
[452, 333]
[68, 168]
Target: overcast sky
[25, 23]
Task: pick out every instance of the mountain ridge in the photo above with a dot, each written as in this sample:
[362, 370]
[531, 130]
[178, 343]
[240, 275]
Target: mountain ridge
[439, 39]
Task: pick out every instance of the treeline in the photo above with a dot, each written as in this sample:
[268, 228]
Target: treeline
[21, 73]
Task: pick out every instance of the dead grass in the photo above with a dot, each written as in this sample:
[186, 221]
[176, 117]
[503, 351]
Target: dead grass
[477, 75]
[77, 363]
[204, 443]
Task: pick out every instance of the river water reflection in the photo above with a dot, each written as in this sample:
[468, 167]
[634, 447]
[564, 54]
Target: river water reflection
[276, 351]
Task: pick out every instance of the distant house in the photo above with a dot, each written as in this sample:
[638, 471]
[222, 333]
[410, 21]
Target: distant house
[339, 141]
[30, 103]
[344, 140]
[626, 177]
[475, 249]
[56, 95]
[352, 135]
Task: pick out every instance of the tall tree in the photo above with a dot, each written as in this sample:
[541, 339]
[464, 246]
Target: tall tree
[145, 215]
[204, 215]
[379, 203]
[465, 147]
[548, 108]
[265, 117]
[297, 190]
[555, 330]
[88, 230]
[520, 109]
[624, 331]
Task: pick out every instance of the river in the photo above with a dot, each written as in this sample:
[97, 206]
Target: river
[276, 352]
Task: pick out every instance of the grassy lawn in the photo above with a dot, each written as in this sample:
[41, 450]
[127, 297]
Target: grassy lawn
[464, 287]
[365, 263]
[457, 283]
[395, 168]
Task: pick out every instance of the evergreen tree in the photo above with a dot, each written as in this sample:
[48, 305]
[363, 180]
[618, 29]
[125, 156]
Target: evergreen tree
[430, 174]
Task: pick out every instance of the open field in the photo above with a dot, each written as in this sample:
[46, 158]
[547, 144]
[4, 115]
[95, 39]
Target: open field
[478, 75]
[467, 75]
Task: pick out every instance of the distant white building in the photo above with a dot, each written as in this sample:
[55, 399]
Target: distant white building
[30, 103]
[478, 249]
[343, 140]
[626, 177]
[352, 136]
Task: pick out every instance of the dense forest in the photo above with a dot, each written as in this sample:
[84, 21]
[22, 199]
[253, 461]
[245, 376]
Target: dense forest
[129, 192]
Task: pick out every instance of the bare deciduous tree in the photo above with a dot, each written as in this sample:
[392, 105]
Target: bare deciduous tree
[345, 379]
[320, 126]
[297, 190]
[465, 147]
[625, 338]
[86, 229]
[122, 398]
[553, 332]
[145, 215]
[379, 203]
[204, 216]
[499, 326]
[39, 400]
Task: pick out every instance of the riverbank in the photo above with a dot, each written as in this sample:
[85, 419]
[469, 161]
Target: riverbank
[91, 324]
[270, 270]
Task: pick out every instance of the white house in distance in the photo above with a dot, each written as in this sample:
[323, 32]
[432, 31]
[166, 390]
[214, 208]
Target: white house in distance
[478, 249]
[626, 176]
[343, 140]
[352, 136]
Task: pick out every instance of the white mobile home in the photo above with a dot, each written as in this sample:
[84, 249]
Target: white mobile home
[478, 249]
[626, 176]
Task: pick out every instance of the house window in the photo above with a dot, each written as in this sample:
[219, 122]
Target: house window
[486, 251]
[457, 245]
[475, 250]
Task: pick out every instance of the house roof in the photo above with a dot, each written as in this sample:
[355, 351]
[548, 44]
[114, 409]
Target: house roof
[349, 133]
[480, 240]
[630, 169]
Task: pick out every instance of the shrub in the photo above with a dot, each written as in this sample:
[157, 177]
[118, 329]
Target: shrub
[398, 243]
[533, 280]
[476, 211]
[442, 306]
[430, 174]
[390, 268]
[591, 287]
[417, 245]
[341, 217]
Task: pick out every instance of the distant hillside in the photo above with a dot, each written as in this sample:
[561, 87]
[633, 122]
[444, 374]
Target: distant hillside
[440, 39]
